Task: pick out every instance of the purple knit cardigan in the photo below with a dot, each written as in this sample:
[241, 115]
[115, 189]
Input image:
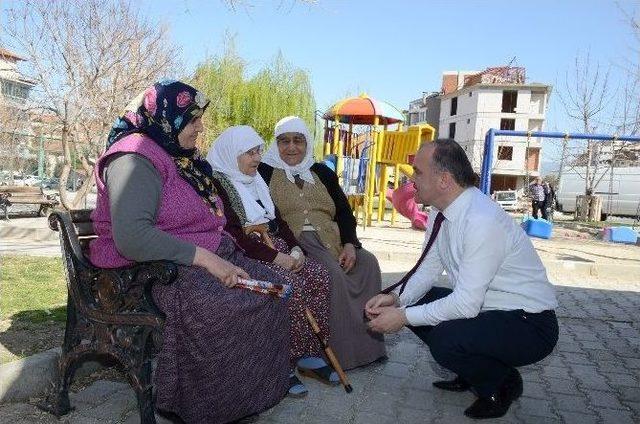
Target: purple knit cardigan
[182, 212]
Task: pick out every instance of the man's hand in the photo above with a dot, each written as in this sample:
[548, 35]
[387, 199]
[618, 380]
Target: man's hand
[373, 305]
[347, 258]
[389, 320]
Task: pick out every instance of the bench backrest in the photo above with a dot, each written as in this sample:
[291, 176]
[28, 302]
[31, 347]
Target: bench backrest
[75, 230]
[26, 194]
[21, 190]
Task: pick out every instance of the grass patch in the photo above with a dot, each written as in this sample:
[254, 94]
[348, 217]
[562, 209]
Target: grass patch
[32, 289]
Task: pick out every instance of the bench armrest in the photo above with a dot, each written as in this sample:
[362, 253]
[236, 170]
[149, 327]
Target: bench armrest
[111, 296]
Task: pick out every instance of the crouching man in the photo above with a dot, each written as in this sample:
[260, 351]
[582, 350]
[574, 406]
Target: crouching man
[500, 313]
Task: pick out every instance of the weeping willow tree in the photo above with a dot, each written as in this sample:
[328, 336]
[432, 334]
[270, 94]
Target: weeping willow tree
[272, 93]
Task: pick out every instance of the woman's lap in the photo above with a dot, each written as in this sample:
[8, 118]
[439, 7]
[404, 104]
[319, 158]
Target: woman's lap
[225, 351]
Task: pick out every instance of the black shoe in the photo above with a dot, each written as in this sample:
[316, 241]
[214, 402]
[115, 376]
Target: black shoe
[488, 407]
[512, 386]
[455, 385]
[497, 404]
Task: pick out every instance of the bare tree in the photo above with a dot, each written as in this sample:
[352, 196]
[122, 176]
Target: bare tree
[89, 58]
[585, 98]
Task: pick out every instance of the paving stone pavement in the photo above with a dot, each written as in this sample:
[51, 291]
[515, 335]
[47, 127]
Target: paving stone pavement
[593, 376]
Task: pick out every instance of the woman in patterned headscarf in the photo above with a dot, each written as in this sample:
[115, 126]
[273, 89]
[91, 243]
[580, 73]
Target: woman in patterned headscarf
[225, 353]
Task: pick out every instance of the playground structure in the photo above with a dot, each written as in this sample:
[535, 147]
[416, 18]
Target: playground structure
[489, 158]
[368, 155]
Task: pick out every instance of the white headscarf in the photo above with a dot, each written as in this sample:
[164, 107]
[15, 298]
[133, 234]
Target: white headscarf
[272, 157]
[223, 157]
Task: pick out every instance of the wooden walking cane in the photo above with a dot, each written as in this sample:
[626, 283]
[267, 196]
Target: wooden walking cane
[327, 350]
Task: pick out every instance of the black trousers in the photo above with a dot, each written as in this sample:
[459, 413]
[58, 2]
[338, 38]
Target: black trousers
[483, 350]
[539, 205]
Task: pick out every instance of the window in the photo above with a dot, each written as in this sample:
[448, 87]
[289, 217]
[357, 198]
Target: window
[454, 106]
[509, 101]
[505, 153]
[14, 90]
[507, 124]
[452, 130]
[470, 93]
[468, 120]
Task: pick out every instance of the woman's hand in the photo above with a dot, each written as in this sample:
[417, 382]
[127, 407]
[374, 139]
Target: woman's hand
[298, 256]
[373, 305]
[223, 270]
[347, 258]
[285, 261]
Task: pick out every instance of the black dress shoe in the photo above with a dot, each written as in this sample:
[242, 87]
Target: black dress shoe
[512, 386]
[497, 404]
[455, 385]
[488, 407]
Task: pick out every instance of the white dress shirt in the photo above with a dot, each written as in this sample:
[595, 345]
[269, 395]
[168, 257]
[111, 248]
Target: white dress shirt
[489, 260]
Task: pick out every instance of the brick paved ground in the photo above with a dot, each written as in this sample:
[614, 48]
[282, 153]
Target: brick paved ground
[593, 376]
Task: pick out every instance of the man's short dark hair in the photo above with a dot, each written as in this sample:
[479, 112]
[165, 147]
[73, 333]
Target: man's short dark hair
[449, 156]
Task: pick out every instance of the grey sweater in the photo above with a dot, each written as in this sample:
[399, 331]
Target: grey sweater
[135, 187]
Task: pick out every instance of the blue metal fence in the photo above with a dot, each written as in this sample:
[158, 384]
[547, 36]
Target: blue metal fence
[487, 156]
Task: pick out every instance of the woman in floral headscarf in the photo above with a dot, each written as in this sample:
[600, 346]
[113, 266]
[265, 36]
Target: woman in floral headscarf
[225, 353]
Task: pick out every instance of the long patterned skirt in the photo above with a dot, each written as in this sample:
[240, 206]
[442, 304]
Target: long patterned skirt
[311, 288]
[350, 339]
[225, 353]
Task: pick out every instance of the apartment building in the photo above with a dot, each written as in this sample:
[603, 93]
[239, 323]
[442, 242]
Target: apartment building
[499, 97]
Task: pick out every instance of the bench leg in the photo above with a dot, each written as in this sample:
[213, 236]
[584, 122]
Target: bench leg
[57, 402]
[43, 210]
[141, 383]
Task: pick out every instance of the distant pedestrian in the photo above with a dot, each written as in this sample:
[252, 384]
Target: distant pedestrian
[549, 200]
[537, 192]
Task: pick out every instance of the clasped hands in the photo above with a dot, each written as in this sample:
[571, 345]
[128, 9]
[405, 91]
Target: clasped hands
[384, 315]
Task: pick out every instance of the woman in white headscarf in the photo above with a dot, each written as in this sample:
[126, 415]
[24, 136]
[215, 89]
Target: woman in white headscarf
[310, 200]
[254, 221]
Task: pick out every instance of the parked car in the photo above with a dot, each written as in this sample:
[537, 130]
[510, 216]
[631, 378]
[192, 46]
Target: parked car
[508, 199]
[32, 180]
[50, 183]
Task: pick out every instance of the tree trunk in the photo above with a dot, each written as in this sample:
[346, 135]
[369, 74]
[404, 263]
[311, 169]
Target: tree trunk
[588, 208]
[66, 169]
[83, 191]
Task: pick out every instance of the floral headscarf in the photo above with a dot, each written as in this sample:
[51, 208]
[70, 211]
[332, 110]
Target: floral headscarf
[161, 112]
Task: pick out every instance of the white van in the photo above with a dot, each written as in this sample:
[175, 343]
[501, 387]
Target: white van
[508, 199]
[620, 194]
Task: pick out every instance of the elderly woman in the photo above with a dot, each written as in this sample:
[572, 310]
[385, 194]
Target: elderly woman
[234, 157]
[225, 353]
[310, 200]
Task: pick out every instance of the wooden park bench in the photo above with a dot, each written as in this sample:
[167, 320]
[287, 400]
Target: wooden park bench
[111, 316]
[25, 195]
